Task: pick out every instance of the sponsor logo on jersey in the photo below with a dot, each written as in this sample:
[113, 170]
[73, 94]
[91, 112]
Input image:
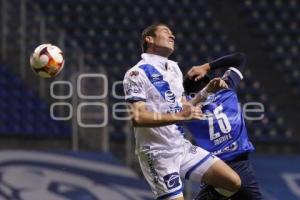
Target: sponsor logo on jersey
[172, 180]
[159, 83]
[156, 77]
[232, 147]
[133, 88]
[174, 109]
[171, 100]
[170, 96]
[193, 150]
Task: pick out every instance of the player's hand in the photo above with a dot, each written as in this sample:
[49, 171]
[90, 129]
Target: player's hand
[198, 72]
[191, 112]
[216, 84]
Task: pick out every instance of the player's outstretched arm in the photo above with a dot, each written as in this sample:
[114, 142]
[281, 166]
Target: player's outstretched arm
[142, 117]
[237, 60]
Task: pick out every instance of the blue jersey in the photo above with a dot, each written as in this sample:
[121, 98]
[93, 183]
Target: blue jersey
[224, 131]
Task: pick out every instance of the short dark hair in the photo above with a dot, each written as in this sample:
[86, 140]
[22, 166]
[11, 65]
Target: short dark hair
[192, 87]
[149, 31]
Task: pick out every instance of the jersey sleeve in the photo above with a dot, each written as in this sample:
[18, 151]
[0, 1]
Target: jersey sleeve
[233, 77]
[237, 60]
[134, 86]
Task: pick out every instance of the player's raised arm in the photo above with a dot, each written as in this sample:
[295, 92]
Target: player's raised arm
[237, 60]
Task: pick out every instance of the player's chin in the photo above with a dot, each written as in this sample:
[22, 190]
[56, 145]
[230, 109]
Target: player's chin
[171, 48]
[167, 49]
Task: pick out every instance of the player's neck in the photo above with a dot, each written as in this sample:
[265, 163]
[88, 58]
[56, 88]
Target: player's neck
[159, 51]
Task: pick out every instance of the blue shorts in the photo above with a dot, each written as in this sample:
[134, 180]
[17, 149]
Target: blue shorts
[250, 189]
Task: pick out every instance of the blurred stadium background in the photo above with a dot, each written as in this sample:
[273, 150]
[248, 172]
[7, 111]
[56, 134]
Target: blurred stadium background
[87, 153]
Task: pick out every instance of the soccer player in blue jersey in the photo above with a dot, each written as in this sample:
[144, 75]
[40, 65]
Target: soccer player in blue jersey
[224, 131]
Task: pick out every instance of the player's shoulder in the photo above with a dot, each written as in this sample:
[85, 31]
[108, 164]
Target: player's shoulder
[175, 66]
[135, 71]
[225, 95]
[237, 71]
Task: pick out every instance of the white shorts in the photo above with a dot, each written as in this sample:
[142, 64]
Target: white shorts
[163, 169]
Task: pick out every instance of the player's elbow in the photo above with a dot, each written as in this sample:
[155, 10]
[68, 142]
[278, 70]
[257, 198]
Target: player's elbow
[235, 183]
[137, 121]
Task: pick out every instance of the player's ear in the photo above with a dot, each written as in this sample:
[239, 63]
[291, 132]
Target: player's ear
[149, 39]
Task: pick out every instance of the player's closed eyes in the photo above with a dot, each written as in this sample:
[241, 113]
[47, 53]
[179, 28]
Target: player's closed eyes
[167, 31]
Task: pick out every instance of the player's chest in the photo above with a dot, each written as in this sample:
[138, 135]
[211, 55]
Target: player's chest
[166, 85]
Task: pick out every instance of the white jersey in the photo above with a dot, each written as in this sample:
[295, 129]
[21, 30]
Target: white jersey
[164, 155]
[157, 81]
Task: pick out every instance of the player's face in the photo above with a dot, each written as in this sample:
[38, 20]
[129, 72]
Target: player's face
[164, 39]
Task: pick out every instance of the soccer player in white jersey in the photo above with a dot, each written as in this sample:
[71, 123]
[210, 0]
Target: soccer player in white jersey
[154, 90]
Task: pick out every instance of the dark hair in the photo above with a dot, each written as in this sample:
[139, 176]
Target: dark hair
[149, 31]
[192, 87]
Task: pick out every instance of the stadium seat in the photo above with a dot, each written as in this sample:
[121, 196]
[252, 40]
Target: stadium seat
[278, 23]
[23, 112]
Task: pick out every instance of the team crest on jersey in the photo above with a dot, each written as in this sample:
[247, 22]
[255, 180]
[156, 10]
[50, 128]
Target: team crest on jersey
[172, 180]
[134, 73]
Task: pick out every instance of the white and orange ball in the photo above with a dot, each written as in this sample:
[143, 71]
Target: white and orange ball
[47, 60]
